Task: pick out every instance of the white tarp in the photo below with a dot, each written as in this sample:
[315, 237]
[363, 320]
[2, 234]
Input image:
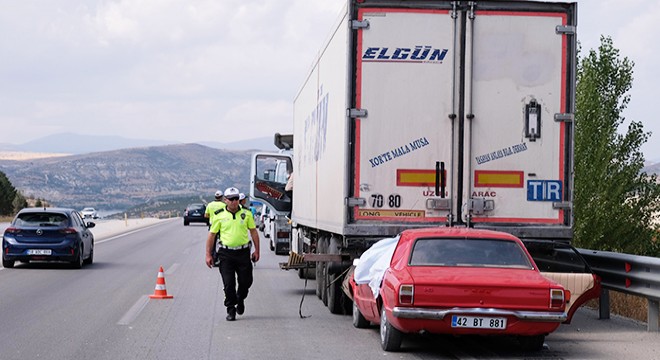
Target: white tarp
[373, 263]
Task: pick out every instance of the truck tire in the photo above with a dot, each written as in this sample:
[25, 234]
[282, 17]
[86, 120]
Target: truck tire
[324, 284]
[321, 273]
[307, 273]
[335, 295]
[319, 279]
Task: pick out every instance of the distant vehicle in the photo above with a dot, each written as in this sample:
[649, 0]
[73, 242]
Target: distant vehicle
[462, 282]
[258, 219]
[194, 213]
[89, 212]
[265, 221]
[48, 234]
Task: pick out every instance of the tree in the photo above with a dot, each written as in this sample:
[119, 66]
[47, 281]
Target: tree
[7, 194]
[614, 200]
[19, 202]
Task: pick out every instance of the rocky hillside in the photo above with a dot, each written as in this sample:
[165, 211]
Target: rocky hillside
[123, 178]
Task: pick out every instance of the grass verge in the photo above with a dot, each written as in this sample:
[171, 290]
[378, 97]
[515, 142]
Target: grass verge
[629, 306]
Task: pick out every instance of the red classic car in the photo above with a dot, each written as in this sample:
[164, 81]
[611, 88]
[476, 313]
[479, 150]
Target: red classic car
[462, 281]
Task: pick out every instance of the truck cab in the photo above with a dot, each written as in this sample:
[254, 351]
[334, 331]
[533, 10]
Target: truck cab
[269, 175]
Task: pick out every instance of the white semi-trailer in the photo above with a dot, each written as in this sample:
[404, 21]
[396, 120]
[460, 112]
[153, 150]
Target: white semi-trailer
[431, 113]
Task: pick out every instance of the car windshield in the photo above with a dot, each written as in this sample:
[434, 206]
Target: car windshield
[88, 209]
[196, 207]
[41, 219]
[469, 252]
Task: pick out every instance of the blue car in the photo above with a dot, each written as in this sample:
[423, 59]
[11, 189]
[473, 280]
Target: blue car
[48, 234]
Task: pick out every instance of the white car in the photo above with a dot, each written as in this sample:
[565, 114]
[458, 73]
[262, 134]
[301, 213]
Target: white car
[89, 212]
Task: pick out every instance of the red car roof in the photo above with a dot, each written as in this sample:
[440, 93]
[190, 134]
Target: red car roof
[455, 232]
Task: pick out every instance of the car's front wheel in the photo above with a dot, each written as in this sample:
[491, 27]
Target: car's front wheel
[390, 338]
[90, 259]
[358, 319]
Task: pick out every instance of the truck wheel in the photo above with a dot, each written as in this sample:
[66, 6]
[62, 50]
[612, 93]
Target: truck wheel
[324, 284]
[321, 272]
[335, 295]
[319, 280]
[390, 338]
[307, 273]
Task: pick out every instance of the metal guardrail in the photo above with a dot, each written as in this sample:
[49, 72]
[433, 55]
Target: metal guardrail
[631, 274]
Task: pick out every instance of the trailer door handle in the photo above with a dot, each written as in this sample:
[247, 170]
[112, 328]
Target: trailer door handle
[440, 181]
[443, 180]
[437, 178]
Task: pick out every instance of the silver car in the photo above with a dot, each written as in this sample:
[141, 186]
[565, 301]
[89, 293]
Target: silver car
[89, 212]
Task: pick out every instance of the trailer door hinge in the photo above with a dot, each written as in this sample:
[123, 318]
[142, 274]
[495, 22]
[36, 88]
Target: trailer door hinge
[357, 24]
[564, 117]
[356, 201]
[563, 205]
[479, 206]
[357, 113]
[565, 29]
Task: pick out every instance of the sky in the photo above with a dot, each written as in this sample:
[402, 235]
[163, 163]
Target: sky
[217, 70]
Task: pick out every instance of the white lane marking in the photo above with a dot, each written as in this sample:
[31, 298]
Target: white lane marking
[134, 311]
[172, 268]
[124, 234]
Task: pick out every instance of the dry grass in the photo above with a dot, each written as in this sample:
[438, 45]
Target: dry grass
[629, 306]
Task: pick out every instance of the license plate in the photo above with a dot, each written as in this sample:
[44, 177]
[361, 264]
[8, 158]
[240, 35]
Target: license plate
[39, 252]
[478, 322]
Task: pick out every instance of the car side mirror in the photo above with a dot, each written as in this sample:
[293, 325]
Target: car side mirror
[90, 224]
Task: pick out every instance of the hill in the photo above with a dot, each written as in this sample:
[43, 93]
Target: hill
[71, 143]
[125, 178]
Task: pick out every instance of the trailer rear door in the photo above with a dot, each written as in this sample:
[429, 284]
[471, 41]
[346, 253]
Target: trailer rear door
[403, 146]
[517, 140]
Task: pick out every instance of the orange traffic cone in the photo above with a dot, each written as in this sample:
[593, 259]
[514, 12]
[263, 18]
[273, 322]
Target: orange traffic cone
[161, 291]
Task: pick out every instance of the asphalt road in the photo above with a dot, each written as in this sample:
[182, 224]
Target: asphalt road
[103, 311]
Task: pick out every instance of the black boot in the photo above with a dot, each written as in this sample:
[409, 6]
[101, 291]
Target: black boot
[240, 307]
[231, 314]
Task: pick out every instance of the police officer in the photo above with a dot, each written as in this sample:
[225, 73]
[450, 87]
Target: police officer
[232, 224]
[214, 206]
[212, 209]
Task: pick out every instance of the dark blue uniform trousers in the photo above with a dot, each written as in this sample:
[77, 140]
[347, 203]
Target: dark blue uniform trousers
[235, 265]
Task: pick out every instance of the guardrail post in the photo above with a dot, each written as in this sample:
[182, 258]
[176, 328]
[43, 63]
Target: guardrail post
[604, 304]
[653, 315]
